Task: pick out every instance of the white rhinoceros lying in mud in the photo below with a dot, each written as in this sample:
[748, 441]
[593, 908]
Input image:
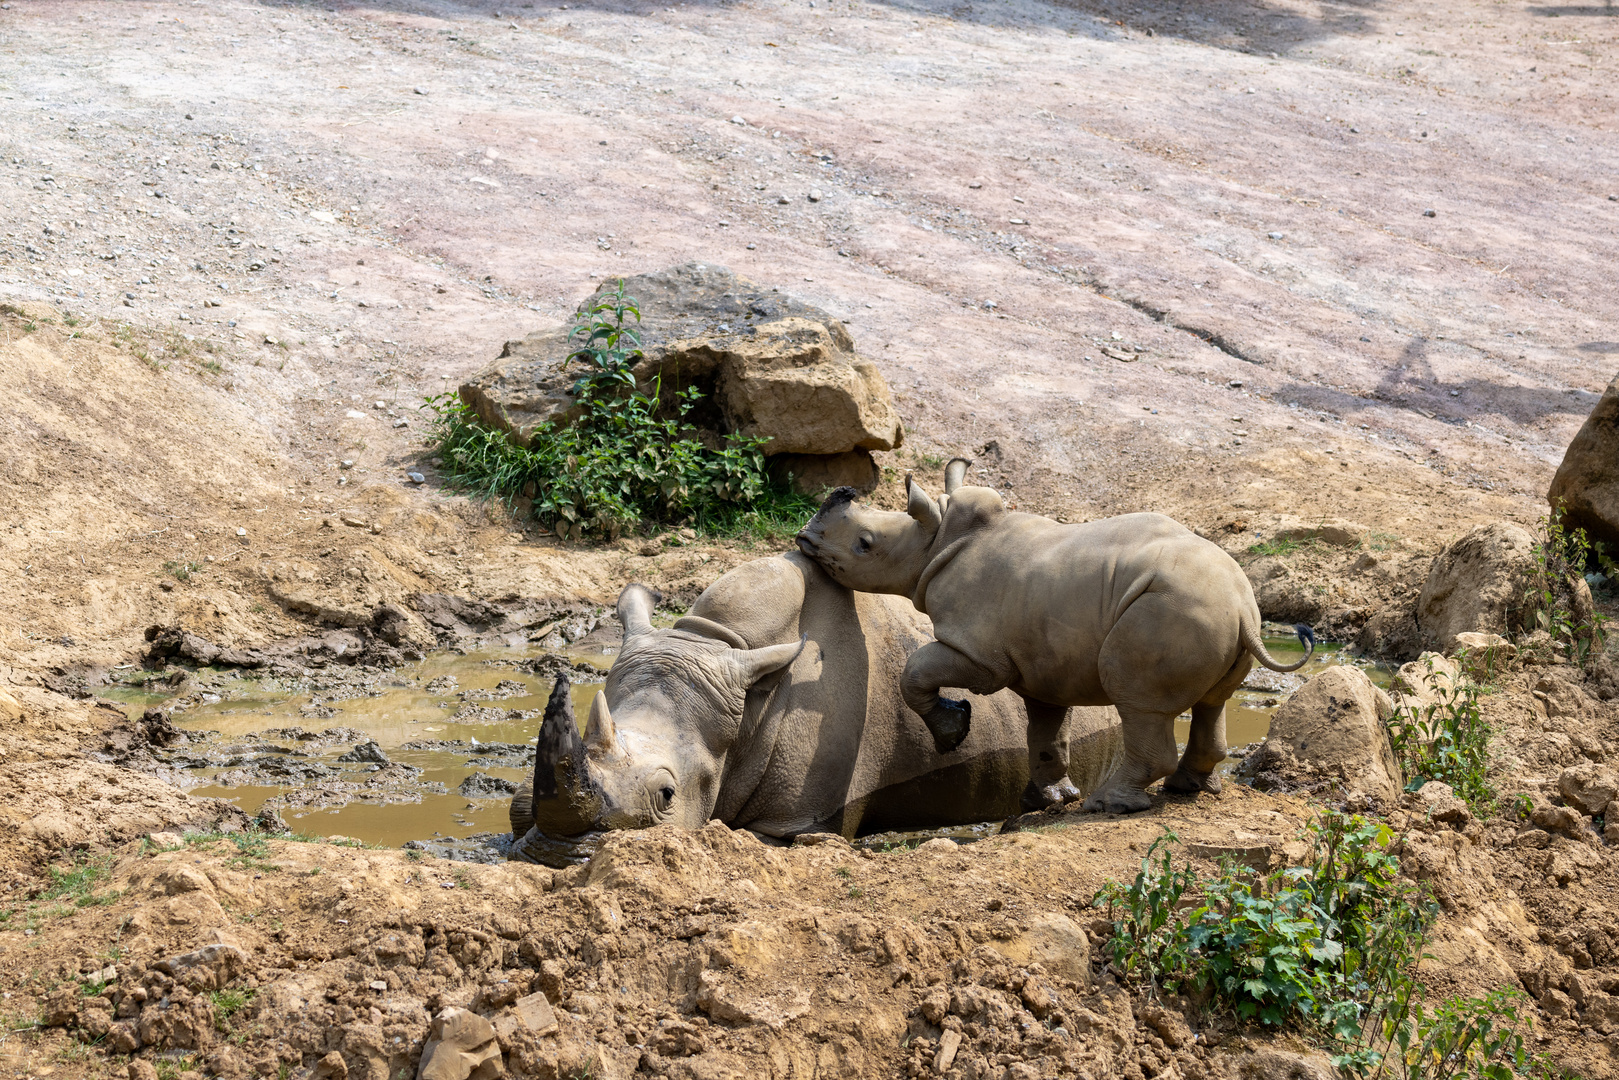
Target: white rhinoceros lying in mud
[774, 706]
[1136, 611]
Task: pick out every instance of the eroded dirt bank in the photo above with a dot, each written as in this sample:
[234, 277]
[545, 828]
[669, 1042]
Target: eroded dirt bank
[1127, 257]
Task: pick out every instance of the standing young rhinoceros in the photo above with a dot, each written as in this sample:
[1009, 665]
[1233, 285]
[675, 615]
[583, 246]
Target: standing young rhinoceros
[774, 706]
[1134, 611]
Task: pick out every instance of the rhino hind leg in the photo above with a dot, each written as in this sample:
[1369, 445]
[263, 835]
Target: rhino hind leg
[935, 665]
[1149, 756]
[1205, 749]
[1049, 784]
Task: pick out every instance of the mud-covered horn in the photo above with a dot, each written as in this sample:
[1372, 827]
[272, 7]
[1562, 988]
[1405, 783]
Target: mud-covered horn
[635, 606]
[599, 734]
[559, 747]
[954, 473]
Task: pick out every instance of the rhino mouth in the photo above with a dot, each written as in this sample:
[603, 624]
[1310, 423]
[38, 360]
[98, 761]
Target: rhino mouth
[558, 852]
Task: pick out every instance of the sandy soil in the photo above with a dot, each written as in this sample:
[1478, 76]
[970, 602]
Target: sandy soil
[1133, 256]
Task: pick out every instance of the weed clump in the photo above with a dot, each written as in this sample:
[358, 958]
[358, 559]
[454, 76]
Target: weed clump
[631, 458]
[1558, 601]
[1446, 739]
[1328, 949]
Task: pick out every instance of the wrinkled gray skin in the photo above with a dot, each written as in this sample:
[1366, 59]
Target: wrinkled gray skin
[774, 705]
[1135, 611]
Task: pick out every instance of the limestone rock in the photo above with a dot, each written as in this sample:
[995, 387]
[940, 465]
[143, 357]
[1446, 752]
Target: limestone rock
[1586, 487]
[460, 1046]
[769, 366]
[1054, 941]
[1332, 728]
[532, 1013]
[774, 1008]
[816, 474]
[1441, 804]
[1588, 788]
[1563, 820]
[1477, 584]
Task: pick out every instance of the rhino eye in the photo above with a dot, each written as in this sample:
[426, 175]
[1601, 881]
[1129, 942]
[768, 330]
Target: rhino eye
[666, 796]
[861, 546]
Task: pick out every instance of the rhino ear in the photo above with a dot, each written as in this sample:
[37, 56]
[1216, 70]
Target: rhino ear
[920, 505]
[755, 664]
[954, 473]
[635, 606]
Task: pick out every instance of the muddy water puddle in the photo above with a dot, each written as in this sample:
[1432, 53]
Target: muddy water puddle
[430, 753]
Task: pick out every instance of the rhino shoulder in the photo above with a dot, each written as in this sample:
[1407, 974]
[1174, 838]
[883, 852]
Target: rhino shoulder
[759, 601]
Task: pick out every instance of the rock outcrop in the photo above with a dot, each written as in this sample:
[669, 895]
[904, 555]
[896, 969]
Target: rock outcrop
[1477, 584]
[1586, 487]
[1332, 730]
[768, 365]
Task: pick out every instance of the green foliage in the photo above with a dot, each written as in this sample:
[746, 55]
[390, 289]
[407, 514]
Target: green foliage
[630, 459]
[182, 571]
[1447, 739]
[77, 882]
[1279, 547]
[1554, 601]
[228, 1003]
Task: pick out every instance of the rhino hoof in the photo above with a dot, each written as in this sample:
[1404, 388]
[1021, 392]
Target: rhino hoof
[949, 721]
[1036, 797]
[1186, 782]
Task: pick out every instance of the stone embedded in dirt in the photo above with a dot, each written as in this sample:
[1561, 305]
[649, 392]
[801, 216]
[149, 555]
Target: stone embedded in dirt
[1333, 729]
[939, 845]
[532, 1013]
[1424, 682]
[1588, 788]
[1477, 584]
[770, 365]
[774, 1007]
[1563, 820]
[1586, 487]
[1056, 943]
[1483, 654]
[1440, 803]
[460, 1046]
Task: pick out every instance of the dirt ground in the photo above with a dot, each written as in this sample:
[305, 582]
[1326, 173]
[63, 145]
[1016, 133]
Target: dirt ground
[1262, 267]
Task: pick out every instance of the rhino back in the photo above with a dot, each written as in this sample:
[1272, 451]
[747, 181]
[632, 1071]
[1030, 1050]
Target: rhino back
[1035, 599]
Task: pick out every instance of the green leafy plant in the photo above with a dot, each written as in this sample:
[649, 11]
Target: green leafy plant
[630, 458]
[1557, 600]
[1445, 739]
[228, 1003]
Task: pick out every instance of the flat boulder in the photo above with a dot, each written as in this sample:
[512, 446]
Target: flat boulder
[1586, 487]
[1477, 584]
[769, 365]
[1332, 730]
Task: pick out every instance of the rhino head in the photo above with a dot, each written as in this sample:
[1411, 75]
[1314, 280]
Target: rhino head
[882, 551]
[655, 745]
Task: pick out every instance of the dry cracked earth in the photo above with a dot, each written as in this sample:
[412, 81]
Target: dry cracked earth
[1254, 265]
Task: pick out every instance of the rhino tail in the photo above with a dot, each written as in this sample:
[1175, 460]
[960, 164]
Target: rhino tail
[1255, 645]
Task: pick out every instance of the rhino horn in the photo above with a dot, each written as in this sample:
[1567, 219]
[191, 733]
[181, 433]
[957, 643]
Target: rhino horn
[561, 799]
[635, 606]
[600, 737]
[920, 505]
[954, 473]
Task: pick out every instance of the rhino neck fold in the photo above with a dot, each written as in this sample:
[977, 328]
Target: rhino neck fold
[919, 598]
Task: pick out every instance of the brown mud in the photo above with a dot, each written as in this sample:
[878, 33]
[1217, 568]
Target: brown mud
[1126, 256]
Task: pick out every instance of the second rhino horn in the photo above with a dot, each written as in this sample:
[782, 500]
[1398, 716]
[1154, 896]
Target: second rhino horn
[600, 737]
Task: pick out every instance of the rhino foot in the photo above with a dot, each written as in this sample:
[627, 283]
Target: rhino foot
[1036, 797]
[948, 722]
[1117, 801]
[1186, 782]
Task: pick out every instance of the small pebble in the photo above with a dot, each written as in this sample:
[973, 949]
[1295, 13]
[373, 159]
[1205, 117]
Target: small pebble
[1277, 235]
[1235, 384]
[815, 195]
[422, 90]
[415, 478]
[1430, 213]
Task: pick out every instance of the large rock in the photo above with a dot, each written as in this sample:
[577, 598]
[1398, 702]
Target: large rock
[1588, 788]
[1586, 487]
[1477, 584]
[1333, 728]
[768, 365]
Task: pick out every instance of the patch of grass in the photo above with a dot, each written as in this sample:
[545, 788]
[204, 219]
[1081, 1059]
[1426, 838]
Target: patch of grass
[77, 882]
[631, 460]
[29, 327]
[170, 1068]
[72, 320]
[227, 1003]
[212, 366]
[1278, 548]
[1447, 739]
[1380, 541]
[181, 570]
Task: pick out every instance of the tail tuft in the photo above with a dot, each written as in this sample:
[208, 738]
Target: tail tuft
[1306, 635]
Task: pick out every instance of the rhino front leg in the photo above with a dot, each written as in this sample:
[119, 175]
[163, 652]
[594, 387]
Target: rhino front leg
[932, 666]
[1049, 784]
[1205, 749]
[1149, 755]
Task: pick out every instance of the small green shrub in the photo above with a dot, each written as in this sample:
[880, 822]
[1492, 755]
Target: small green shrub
[1328, 948]
[630, 459]
[1557, 600]
[181, 569]
[1447, 739]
